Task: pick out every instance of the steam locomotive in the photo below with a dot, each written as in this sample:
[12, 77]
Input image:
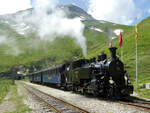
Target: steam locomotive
[104, 77]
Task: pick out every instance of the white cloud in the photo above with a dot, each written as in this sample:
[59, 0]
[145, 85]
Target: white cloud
[12, 6]
[117, 11]
[149, 10]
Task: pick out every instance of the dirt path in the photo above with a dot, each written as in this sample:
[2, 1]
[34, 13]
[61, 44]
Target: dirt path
[7, 105]
[15, 100]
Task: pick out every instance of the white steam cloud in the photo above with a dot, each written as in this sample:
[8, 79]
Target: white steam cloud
[117, 11]
[10, 42]
[48, 21]
[51, 22]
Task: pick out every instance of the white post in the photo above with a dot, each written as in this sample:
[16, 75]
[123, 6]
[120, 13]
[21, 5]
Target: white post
[136, 65]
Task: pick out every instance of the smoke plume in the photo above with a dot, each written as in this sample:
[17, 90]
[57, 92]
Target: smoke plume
[50, 22]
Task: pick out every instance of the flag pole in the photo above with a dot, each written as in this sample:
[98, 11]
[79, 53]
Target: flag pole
[136, 65]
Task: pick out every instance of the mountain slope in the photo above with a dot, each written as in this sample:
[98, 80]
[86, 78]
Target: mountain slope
[21, 49]
[97, 35]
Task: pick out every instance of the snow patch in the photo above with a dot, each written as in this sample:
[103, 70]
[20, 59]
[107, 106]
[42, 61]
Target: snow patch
[20, 32]
[25, 28]
[113, 38]
[101, 21]
[23, 24]
[82, 18]
[6, 22]
[96, 29]
[21, 28]
[117, 31]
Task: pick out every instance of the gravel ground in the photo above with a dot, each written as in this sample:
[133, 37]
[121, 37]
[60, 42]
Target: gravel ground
[93, 105]
[7, 103]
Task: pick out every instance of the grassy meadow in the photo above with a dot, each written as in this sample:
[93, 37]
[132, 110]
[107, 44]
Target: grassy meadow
[4, 87]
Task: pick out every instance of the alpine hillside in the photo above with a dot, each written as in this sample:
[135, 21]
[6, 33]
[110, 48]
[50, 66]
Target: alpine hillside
[23, 46]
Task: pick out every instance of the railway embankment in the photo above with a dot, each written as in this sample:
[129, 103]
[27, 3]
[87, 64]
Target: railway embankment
[19, 100]
[90, 103]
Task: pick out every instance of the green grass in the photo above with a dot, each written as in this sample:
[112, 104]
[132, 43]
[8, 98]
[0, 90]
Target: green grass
[4, 87]
[144, 93]
[26, 79]
[7, 87]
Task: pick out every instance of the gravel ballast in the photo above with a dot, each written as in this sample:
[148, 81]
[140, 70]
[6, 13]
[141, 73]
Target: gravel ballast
[93, 105]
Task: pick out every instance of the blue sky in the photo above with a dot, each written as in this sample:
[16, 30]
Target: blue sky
[141, 8]
[117, 11]
[144, 6]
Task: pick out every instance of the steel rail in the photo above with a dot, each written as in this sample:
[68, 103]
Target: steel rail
[42, 100]
[137, 104]
[71, 106]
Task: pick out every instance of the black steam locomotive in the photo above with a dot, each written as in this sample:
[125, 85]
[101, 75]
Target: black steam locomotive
[104, 77]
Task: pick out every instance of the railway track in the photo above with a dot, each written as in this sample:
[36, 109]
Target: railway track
[54, 103]
[137, 104]
[145, 105]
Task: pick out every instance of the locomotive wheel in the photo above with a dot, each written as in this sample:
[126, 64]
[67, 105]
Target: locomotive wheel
[83, 91]
[74, 89]
[95, 93]
[65, 88]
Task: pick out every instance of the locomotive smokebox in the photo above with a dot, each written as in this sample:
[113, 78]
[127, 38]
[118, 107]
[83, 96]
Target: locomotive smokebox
[113, 53]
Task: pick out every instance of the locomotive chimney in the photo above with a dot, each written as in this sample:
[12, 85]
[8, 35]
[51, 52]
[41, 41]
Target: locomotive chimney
[113, 53]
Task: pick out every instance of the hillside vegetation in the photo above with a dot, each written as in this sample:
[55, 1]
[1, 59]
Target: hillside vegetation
[129, 51]
[143, 51]
[4, 88]
[37, 53]
[44, 53]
